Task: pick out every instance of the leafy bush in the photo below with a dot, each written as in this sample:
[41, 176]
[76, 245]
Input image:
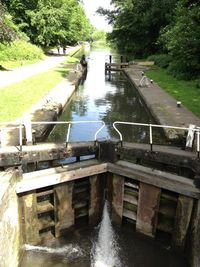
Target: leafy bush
[20, 50]
[162, 60]
[184, 70]
[197, 83]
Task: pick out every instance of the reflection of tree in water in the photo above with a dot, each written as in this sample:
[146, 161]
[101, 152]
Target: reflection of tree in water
[125, 105]
[78, 106]
[59, 132]
[120, 103]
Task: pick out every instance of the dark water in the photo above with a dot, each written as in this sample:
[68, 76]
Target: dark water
[108, 98]
[74, 250]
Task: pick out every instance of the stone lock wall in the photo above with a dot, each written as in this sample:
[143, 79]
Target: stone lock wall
[10, 233]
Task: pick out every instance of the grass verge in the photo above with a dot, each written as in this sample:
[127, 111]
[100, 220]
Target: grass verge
[10, 64]
[184, 91]
[16, 99]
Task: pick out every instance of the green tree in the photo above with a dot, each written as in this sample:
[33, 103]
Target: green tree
[51, 22]
[98, 35]
[182, 40]
[7, 28]
[19, 11]
[137, 24]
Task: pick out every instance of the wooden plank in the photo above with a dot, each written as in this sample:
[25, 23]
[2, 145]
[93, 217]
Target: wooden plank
[157, 178]
[117, 64]
[64, 212]
[182, 221]
[113, 69]
[11, 156]
[30, 222]
[154, 177]
[130, 214]
[29, 183]
[195, 237]
[131, 185]
[148, 203]
[65, 168]
[45, 193]
[117, 198]
[44, 207]
[96, 199]
[131, 199]
[45, 222]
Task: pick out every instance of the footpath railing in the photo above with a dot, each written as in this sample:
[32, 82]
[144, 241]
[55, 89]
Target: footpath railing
[192, 131]
[23, 131]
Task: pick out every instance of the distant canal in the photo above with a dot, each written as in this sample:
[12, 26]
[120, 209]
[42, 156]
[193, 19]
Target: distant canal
[107, 98]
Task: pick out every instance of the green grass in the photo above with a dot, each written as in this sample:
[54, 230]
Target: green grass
[184, 91]
[10, 64]
[70, 59]
[16, 99]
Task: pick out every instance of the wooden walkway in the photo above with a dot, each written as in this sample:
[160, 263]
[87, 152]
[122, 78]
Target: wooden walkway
[116, 66]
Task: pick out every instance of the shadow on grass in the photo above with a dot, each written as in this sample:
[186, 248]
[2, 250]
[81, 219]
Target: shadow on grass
[63, 71]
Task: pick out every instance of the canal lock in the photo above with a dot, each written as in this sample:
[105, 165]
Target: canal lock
[153, 211]
[158, 210]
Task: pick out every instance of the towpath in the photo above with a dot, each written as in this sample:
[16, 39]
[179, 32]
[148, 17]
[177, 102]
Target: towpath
[24, 72]
[163, 106]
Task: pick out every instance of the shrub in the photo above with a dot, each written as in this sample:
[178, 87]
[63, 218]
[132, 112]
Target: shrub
[183, 70]
[20, 50]
[162, 60]
[197, 83]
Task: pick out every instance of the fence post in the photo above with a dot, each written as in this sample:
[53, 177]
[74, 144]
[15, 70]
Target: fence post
[150, 137]
[68, 133]
[198, 144]
[20, 136]
[28, 130]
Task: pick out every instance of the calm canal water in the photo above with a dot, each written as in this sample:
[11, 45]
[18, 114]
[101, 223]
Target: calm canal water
[108, 98]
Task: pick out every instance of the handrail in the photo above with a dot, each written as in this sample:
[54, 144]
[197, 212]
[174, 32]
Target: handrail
[21, 125]
[196, 129]
[70, 123]
[13, 125]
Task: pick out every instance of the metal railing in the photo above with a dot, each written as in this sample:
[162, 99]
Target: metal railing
[22, 125]
[69, 123]
[12, 126]
[27, 126]
[151, 126]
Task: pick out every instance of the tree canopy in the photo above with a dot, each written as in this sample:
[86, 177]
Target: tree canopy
[7, 32]
[143, 28]
[182, 40]
[50, 22]
[137, 24]
[140, 27]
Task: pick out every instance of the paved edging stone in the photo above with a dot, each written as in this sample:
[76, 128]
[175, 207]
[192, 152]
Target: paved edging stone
[162, 106]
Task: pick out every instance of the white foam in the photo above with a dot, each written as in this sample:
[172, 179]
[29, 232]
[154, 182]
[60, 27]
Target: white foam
[65, 250]
[105, 251]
